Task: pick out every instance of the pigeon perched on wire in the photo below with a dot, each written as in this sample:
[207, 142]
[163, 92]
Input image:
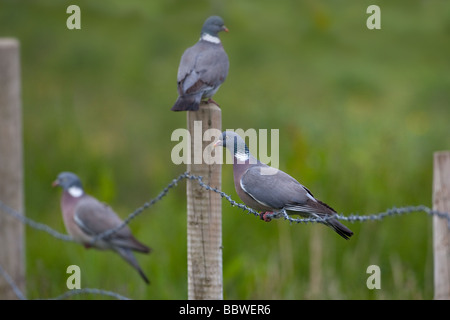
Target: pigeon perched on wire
[269, 190]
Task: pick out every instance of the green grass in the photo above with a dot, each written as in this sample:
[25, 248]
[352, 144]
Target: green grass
[360, 114]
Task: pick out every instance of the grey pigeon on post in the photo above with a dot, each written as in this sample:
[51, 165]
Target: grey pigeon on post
[203, 67]
[85, 217]
[267, 189]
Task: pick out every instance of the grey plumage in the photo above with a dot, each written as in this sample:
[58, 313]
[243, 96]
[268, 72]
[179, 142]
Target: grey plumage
[203, 67]
[267, 189]
[85, 217]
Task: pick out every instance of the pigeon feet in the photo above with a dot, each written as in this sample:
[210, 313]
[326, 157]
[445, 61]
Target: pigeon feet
[263, 216]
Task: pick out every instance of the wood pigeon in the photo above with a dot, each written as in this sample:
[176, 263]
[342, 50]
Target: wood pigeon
[85, 217]
[267, 189]
[203, 67]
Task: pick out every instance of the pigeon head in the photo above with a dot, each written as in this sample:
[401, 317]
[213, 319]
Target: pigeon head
[233, 142]
[213, 25]
[69, 181]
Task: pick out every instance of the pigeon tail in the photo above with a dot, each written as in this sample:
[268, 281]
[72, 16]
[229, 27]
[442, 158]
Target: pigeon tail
[129, 243]
[333, 223]
[190, 103]
[340, 229]
[138, 246]
[128, 255]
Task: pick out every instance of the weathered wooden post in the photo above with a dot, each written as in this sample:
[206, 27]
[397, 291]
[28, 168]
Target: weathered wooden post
[204, 210]
[12, 253]
[441, 233]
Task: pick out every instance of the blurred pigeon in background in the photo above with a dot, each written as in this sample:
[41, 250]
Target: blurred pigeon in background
[85, 217]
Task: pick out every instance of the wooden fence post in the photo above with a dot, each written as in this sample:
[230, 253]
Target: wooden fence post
[441, 233]
[12, 255]
[204, 210]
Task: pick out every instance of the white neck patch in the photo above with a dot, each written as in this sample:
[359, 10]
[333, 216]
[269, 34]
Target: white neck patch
[75, 192]
[241, 156]
[210, 38]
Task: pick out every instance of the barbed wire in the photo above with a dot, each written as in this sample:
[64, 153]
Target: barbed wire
[275, 215]
[199, 179]
[12, 284]
[74, 292]
[351, 218]
[362, 218]
[34, 224]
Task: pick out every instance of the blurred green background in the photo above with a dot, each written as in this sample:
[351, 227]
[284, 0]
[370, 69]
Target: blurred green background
[360, 113]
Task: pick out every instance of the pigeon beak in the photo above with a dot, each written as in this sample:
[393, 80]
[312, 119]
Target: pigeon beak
[55, 183]
[218, 143]
[225, 29]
